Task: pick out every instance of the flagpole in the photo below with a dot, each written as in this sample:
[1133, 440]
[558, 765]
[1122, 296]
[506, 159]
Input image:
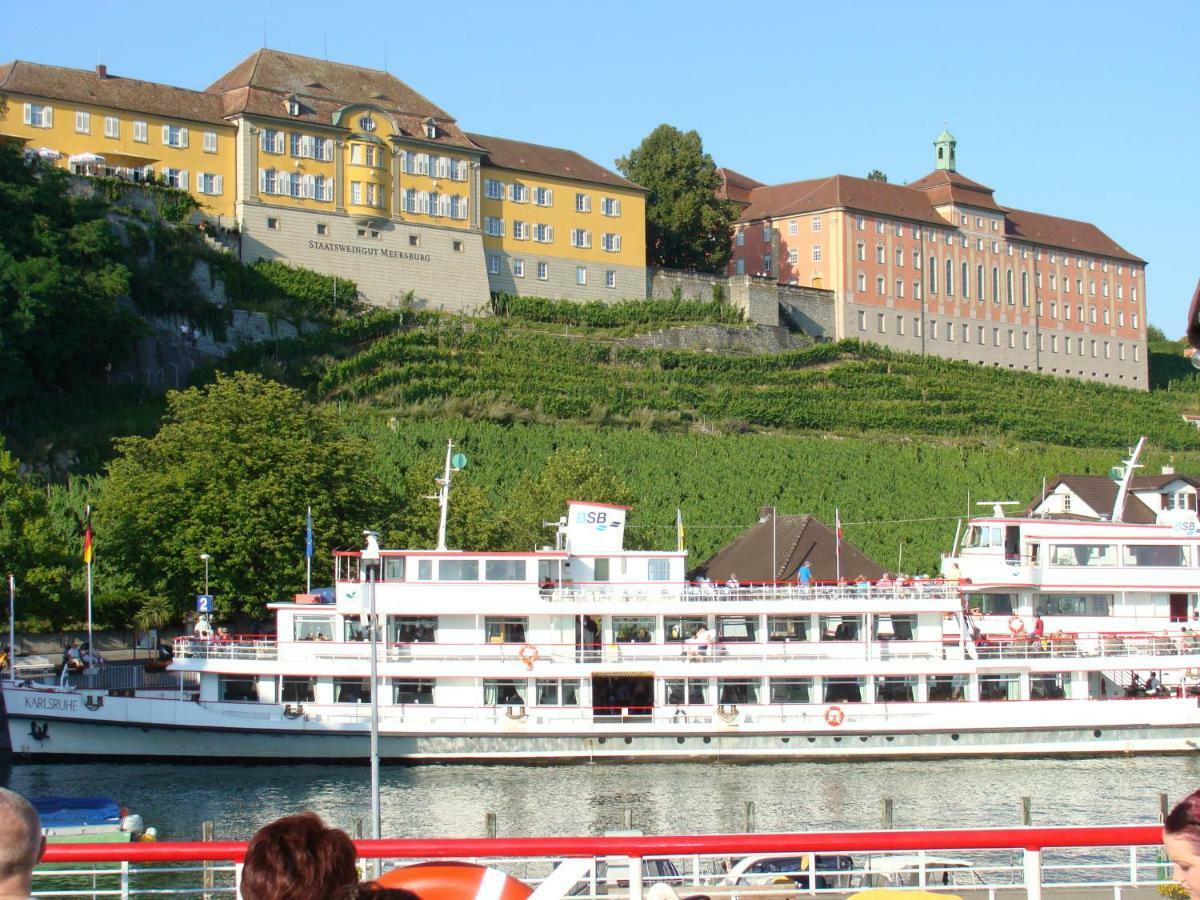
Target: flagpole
[90, 553]
[837, 542]
[12, 623]
[308, 548]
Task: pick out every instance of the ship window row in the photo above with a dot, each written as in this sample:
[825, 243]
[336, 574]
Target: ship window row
[397, 568]
[1153, 555]
[679, 629]
[676, 692]
[1043, 604]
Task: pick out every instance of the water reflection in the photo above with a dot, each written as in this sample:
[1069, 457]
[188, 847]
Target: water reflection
[424, 801]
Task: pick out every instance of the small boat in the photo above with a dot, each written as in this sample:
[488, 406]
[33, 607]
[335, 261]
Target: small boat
[89, 820]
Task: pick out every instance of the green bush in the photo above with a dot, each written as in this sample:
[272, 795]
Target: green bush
[596, 314]
[291, 291]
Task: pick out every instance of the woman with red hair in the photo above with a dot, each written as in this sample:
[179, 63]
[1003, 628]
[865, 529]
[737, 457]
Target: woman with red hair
[1181, 837]
[298, 858]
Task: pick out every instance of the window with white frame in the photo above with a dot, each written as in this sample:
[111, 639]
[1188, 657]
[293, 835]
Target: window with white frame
[83, 122]
[610, 242]
[583, 203]
[860, 282]
[518, 193]
[543, 197]
[881, 323]
[493, 264]
[899, 256]
[880, 225]
[816, 223]
[543, 271]
[816, 252]
[766, 264]
[39, 115]
[270, 140]
[581, 274]
[207, 183]
[861, 251]
[739, 237]
[860, 223]
[518, 268]
[543, 234]
[879, 285]
[793, 256]
[141, 131]
[610, 279]
[112, 127]
[493, 189]
[862, 320]
[176, 178]
[356, 193]
[900, 288]
[793, 227]
[739, 266]
[879, 254]
[900, 325]
[581, 237]
[520, 230]
[611, 206]
[493, 227]
[177, 136]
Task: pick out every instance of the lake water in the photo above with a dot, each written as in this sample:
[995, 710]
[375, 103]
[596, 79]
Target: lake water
[665, 798]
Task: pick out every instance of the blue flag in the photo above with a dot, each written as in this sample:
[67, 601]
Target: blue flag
[308, 534]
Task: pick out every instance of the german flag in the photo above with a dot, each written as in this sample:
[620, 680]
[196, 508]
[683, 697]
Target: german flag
[87, 541]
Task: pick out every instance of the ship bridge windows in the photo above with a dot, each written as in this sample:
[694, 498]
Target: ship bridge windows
[1000, 686]
[238, 688]
[312, 628]
[393, 568]
[733, 629]
[412, 690]
[947, 688]
[458, 570]
[1083, 554]
[504, 570]
[844, 690]
[297, 689]
[634, 629]
[791, 690]
[424, 570]
[355, 629]
[1156, 555]
[980, 536]
[992, 604]
[896, 689]
[738, 690]
[600, 569]
[557, 691]
[412, 629]
[1073, 605]
[504, 692]
[787, 628]
[351, 690]
[505, 629]
[685, 691]
[1050, 686]
[677, 629]
[658, 570]
[841, 628]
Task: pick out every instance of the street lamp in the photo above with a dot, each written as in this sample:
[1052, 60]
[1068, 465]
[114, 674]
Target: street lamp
[206, 558]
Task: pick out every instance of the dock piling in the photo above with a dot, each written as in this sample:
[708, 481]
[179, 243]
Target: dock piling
[885, 813]
[489, 825]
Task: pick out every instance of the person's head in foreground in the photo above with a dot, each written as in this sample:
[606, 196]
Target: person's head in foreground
[21, 844]
[298, 858]
[1181, 838]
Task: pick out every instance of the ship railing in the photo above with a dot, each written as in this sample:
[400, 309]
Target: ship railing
[1086, 644]
[1093, 862]
[244, 647]
[923, 591]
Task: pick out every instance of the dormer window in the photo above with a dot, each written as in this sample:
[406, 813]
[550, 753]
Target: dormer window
[366, 123]
[293, 106]
[431, 129]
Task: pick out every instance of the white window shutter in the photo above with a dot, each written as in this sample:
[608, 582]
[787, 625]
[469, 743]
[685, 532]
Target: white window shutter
[183, 137]
[549, 234]
[183, 179]
[403, 160]
[616, 242]
[166, 134]
[262, 180]
[28, 113]
[218, 184]
[549, 197]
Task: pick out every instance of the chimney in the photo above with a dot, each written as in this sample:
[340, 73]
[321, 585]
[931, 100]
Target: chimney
[1168, 470]
[101, 70]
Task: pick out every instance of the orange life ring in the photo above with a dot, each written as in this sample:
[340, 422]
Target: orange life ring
[834, 716]
[1016, 624]
[529, 655]
[452, 880]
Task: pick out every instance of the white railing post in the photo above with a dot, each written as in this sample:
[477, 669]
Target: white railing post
[237, 880]
[635, 878]
[1033, 874]
[124, 879]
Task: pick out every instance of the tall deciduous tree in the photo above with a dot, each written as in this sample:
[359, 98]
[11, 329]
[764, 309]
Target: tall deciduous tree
[687, 225]
[230, 473]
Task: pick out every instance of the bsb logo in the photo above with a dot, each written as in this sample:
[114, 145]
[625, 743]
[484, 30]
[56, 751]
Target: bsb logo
[598, 518]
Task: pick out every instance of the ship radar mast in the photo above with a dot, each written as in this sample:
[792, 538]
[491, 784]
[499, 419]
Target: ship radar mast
[454, 463]
[997, 506]
[1118, 513]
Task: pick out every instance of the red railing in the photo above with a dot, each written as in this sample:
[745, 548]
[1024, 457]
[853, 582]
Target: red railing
[1029, 839]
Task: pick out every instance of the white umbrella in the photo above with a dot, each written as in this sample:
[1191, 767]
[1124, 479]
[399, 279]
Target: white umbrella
[86, 158]
[47, 153]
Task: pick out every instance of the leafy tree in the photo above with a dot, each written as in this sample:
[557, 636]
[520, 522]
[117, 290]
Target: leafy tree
[31, 551]
[876, 175]
[470, 524]
[61, 274]
[1156, 335]
[570, 474]
[230, 473]
[687, 225]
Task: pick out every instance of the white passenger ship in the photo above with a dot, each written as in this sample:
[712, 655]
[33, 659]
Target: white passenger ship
[588, 651]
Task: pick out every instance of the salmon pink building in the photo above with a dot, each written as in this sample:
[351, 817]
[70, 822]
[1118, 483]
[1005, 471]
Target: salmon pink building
[939, 267]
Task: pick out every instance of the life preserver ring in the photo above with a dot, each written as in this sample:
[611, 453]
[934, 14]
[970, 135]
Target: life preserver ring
[455, 881]
[834, 716]
[1016, 624]
[529, 655]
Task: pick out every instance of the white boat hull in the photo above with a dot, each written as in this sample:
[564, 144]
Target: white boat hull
[46, 725]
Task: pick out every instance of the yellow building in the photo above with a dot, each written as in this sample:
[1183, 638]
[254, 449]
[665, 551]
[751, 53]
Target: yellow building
[348, 171]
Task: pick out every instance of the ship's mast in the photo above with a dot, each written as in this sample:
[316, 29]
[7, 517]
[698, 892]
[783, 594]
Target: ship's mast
[1130, 464]
[443, 495]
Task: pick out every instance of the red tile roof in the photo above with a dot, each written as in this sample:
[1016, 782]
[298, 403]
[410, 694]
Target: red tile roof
[319, 79]
[1065, 234]
[522, 157]
[736, 186]
[945, 187]
[112, 91]
[840, 191]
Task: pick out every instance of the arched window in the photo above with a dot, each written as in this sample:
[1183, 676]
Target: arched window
[933, 274]
[995, 284]
[966, 281]
[1024, 288]
[949, 277]
[1008, 287]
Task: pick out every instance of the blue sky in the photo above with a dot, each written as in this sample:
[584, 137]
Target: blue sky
[1082, 110]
